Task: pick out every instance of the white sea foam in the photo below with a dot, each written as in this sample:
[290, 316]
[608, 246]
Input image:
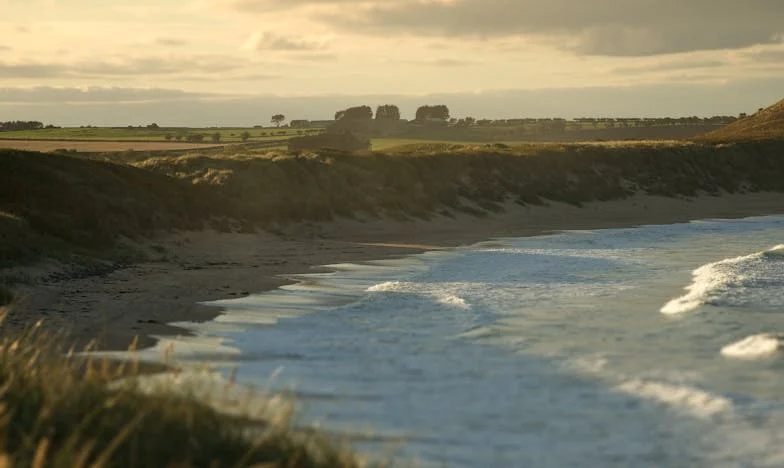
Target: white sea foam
[454, 301]
[386, 286]
[754, 347]
[713, 283]
[446, 294]
[693, 401]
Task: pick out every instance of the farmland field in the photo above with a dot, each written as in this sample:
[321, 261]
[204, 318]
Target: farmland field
[231, 135]
[46, 146]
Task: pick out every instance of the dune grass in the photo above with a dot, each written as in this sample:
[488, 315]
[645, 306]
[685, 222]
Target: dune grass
[422, 179]
[768, 123]
[60, 411]
[50, 201]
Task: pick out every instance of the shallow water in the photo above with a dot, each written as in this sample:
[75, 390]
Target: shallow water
[651, 346]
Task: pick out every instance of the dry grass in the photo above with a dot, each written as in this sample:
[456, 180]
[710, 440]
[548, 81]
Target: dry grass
[60, 411]
[766, 124]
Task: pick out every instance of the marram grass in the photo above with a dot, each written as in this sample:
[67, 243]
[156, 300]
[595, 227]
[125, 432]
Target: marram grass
[59, 410]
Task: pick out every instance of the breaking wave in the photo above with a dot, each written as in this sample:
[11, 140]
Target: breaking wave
[754, 347]
[694, 401]
[729, 281]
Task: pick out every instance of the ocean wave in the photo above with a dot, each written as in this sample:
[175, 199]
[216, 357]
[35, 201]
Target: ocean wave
[718, 283]
[454, 301]
[691, 400]
[387, 286]
[754, 347]
[444, 294]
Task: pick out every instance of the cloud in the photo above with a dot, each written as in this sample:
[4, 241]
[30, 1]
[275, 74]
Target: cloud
[4, 48]
[667, 66]
[264, 6]
[54, 95]
[170, 42]
[442, 62]
[121, 66]
[766, 56]
[271, 41]
[598, 27]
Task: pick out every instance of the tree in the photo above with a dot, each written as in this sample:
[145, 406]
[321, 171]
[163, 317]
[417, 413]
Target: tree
[168, 137]
[278, 119]
[433, 112]
[387, 112]
[216, 137]
[355, 113]
[245, 136]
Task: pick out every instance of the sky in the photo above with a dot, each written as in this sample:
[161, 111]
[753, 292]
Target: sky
[237, 62]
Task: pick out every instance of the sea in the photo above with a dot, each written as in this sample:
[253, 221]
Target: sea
[652, 346]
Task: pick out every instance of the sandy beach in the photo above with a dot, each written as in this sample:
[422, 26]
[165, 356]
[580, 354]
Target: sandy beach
[142, 299]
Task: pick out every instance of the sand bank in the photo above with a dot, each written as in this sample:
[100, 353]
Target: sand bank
[142, 299]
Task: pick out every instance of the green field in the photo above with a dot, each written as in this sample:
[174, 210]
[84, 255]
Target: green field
[231, 135]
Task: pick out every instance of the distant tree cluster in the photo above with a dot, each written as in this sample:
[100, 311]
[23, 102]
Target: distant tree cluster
[355, 113]
[391, 112]
[22, 125]
[440, 112]
[387, 112]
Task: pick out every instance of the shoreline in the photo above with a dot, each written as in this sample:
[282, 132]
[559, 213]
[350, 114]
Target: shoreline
[142, 299]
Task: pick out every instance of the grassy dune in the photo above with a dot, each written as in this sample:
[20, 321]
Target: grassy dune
[50, 201]
[60, 411]
[765, 124]
[423, 180]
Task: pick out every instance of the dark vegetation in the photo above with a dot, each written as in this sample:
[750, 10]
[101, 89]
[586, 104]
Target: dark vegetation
[60, 411]
[48, 202]
[21, 125]
[342, 141]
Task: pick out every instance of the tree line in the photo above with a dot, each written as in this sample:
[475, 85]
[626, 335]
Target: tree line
[22, 125]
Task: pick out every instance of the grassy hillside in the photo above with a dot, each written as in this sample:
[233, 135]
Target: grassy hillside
[421, 180]
[47, 201]
[51, 201]
[768, 123]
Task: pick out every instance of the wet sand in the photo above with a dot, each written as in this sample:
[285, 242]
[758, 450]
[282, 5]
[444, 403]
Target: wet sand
[142, 299]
